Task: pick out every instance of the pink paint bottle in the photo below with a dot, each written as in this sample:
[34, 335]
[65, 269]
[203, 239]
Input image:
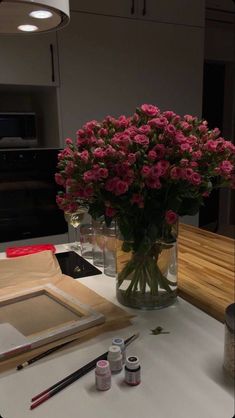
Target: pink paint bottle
[103, 375]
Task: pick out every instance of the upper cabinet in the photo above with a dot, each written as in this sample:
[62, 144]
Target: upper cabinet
[28, 60]
[185, 12]
[123, 8]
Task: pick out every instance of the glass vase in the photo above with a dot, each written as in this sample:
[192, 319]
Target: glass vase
[147, 278]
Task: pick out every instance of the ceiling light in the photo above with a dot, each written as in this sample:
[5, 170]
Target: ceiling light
[27, 28]
[50, 15]
[41, 14]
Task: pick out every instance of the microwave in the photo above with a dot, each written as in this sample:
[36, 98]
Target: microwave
[18, 130]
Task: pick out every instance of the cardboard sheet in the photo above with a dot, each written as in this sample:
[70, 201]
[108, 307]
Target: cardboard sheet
[35, 269]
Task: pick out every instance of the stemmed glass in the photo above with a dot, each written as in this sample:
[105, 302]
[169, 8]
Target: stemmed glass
[74, 219]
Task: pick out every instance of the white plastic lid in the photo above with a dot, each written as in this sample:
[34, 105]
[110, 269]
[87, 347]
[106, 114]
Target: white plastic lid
[119, 342]
[132, 362]
[102, 366]
[114, 352]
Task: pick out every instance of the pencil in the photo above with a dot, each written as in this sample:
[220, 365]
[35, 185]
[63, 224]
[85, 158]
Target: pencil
[68, 380]
[42, 355]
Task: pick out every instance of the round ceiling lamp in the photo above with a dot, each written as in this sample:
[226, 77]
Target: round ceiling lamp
[29, 16]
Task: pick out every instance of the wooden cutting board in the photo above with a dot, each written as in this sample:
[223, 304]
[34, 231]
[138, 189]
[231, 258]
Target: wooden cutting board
[206, 270]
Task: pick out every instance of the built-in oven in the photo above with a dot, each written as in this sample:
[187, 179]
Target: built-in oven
[28, 190]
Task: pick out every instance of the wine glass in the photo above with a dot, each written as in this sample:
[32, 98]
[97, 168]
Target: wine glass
[74, 219]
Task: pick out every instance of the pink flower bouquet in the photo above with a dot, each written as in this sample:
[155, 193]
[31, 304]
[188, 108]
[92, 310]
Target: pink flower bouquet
[144, 171]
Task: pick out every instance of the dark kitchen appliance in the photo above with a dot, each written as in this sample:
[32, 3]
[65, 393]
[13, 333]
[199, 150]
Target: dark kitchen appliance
[28, 190]
[18, 130]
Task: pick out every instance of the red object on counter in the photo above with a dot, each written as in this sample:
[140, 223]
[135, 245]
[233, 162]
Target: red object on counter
[28, 249]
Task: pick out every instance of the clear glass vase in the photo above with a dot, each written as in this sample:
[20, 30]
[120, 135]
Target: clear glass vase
[147, 278]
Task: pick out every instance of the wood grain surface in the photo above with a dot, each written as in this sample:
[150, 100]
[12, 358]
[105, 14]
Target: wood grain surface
[206, 270]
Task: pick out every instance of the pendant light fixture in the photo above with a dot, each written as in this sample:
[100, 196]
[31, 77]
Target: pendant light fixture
[25, 16]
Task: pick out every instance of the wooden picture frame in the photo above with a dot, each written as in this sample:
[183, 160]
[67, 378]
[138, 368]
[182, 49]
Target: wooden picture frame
[36, 316]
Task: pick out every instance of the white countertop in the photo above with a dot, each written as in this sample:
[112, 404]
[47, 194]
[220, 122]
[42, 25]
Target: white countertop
[182, 375]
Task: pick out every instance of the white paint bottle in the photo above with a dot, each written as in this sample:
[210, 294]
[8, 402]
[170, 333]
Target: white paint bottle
[115, 358]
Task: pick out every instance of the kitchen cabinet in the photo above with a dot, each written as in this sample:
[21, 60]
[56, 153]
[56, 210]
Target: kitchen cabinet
[122, 63]
[28, 59]
[186, 12]
[124, 8]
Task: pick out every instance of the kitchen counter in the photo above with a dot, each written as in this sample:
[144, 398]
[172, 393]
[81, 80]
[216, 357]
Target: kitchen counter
[206, 269]
[182, 374]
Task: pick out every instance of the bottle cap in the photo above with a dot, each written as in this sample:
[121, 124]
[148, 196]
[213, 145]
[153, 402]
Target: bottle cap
[132, 362]
[119, 342]
[102, 366]
[114, 352]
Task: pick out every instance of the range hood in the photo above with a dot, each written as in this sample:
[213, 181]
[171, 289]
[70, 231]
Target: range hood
[24, 16]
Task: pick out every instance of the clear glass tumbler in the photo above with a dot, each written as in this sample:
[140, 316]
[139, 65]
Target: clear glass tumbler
[98, 242]
[110, 250]
[86, 240]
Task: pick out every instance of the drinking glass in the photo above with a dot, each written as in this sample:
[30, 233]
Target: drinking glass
[74, 219]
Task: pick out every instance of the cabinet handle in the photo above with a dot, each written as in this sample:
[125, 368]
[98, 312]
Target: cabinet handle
[144, 8]
[133, 7]
[52, 63]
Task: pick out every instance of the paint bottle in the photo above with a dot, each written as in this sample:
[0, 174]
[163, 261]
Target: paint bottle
[103, 375]
[115, 359]
[132, 371]
[120, 343]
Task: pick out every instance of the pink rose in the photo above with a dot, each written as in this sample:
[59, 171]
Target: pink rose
[123, 121]
[121, 187]
[68, 141]
[171, 217]
[176, 119]
[144, 129]
[103, 173]
[141, 140]
[152, 155]
[149, 110]
[153, 183]
[197, 155]
[186, 126]
[189, 118]
[99, 153]
[169, 114]
[185, 147]
[211, 145]
[176, 173]
[160, 150]
[158, 122]
[163, 165]
[202, 128]
[145, 171]
[69, 169]
[81, 133]
[111, 184]
[131, 158]
[88, 176]
[59, 179]
[103, 132]
[226, 167]
[180, 138]
[110, 212]
[92, 125]
[170, 130]
[138, 199]
[195, 179]
[84, 156]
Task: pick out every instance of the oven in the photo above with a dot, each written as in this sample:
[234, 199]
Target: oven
[28, 190]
